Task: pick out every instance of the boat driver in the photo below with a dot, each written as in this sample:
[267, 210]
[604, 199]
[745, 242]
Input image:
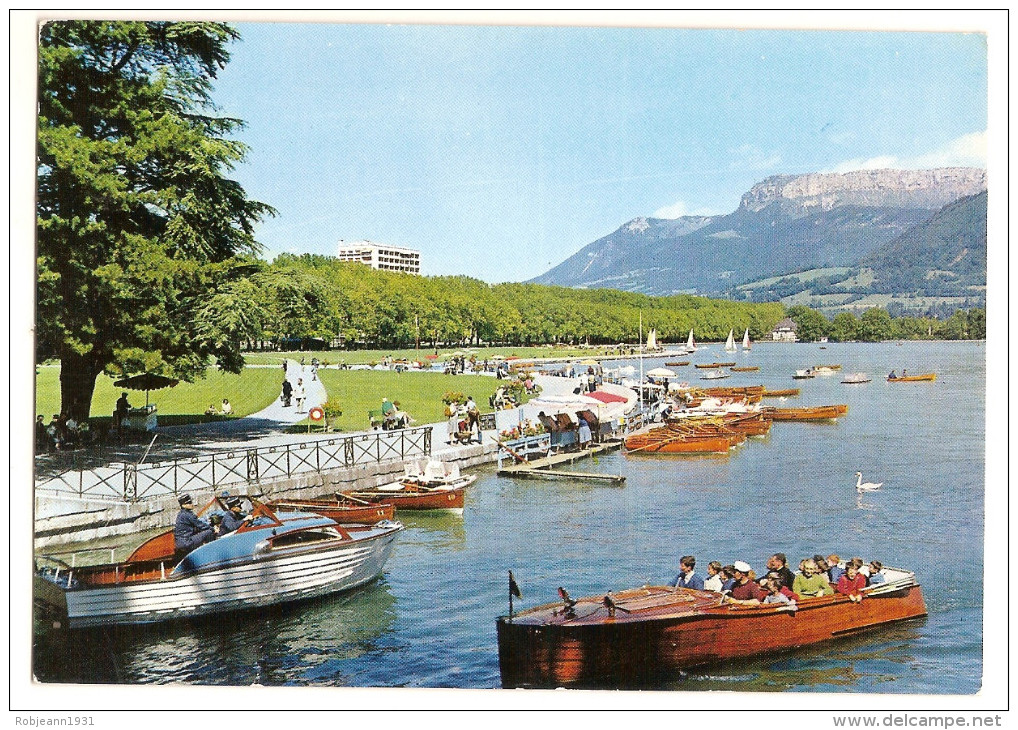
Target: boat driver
[190, 532]
[234, 518]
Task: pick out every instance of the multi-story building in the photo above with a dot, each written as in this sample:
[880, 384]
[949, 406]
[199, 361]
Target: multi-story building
[377, 256]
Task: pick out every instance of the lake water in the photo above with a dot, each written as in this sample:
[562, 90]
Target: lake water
[430, 620]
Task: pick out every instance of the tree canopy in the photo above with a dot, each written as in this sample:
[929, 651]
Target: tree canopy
[143, 239]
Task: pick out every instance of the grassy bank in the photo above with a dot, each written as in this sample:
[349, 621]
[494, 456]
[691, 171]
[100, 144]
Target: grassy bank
[419, 394]
[250, 391]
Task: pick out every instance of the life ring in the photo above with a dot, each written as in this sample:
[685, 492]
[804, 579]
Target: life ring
[316, 414]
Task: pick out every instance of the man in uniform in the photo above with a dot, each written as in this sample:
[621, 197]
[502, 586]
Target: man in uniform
[190, 532]
[234, 518]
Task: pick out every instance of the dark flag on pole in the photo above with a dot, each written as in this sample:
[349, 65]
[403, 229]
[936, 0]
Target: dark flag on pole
[514, 590]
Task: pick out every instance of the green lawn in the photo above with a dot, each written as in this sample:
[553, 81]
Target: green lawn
[419, 394]
[248, 392]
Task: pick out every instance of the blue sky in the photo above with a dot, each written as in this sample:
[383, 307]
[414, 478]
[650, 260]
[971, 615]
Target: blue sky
[500, 151]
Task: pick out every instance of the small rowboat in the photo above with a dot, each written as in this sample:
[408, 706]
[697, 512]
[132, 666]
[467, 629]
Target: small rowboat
[709, 366]
[803, 374]
[810, 413]
[678, 364]
[746, 369]
[715, 375]
[342, 509]
[780, 393]
[922, 378]
[633, 637]
[272, 559]
[438, 486]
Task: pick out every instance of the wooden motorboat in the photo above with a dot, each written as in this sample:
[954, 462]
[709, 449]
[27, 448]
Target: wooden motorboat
[746, 369]
[275, 558]
[780, 393]
[435, 486]
[809, 413]
[856, 378]
[749, 393]
[713, 365]
[697, 436]
[341, 508]
[632, 637]
[922, 378]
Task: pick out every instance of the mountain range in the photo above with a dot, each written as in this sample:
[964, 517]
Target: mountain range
[900, 233]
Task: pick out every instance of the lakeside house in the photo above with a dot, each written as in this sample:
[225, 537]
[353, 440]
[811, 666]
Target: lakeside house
[784, 331]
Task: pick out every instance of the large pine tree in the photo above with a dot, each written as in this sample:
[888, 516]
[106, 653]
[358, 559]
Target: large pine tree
[144, 243]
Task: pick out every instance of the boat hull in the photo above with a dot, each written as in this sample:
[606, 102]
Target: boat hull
[814, 413]
[539, 649]
[298, 572]
[926, 378]
[447, 500]
[341, 512]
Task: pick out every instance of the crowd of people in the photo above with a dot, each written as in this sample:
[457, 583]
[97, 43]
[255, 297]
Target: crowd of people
[817, 576]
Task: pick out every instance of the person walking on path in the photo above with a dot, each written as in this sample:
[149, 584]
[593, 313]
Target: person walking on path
[300, 394]
[287, 393]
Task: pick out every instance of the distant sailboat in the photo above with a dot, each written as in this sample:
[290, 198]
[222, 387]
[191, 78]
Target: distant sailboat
[730, 345]
[652, 340]
[745, 341]
[691, 343]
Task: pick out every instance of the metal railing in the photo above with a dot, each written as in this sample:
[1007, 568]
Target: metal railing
[240, 466]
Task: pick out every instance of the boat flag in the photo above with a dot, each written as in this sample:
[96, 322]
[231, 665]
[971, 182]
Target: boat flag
[514, 590]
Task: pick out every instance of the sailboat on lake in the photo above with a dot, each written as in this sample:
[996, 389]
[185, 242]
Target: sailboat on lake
[730, 344]
[745, 341]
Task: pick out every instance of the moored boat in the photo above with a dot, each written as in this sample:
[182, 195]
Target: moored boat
[341, 508]
[784, 393]
[922, 378]
[827, 368]
[715, 375]
[746, 369]
[808, 413]
[435, 486]
[677, 363]
[713, 365]
[804, 374]
[271, 559]
[631, 637]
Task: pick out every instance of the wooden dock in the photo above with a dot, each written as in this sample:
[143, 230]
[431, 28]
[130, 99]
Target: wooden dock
[541, 468]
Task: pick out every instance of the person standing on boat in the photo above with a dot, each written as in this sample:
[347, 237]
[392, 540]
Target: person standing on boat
[190, 532]
[234, 518]
[687, 578]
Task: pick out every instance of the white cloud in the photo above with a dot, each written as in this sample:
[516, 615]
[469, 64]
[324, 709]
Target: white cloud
[679, 209]
[969, 150]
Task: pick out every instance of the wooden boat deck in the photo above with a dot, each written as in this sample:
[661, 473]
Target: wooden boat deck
[541, 468]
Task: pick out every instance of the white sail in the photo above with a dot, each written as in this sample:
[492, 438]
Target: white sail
[690, 343]
[745, 341]
[652, 340]
[730, 345]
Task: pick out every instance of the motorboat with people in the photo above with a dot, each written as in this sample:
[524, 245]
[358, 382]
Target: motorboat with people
[431, 485]
[631, 637]
[270, 559]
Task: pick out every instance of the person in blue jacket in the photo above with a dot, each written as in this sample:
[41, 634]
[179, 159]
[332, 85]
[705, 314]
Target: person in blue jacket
[190, 532]
[686, 577]
[234, 518]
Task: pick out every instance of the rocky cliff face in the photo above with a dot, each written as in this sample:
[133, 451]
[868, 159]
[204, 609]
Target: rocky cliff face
[801, 195]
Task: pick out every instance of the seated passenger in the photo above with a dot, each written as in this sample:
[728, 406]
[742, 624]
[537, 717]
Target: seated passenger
[778, 563]
[851, 583]
[715, 581]
[190, 532]
[876, 576]
[686, 577]
[234, 518]
[834, 569]
[774, 594]
[745, 590]
[775, 577]
[727, 578]
[810, 582]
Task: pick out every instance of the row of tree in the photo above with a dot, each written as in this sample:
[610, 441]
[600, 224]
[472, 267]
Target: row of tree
[876, 325]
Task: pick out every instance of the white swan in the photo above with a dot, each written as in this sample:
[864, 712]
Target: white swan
[868, 486]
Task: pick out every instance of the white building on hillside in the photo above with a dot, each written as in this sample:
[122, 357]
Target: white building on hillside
[377, 256]
[784, 331]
